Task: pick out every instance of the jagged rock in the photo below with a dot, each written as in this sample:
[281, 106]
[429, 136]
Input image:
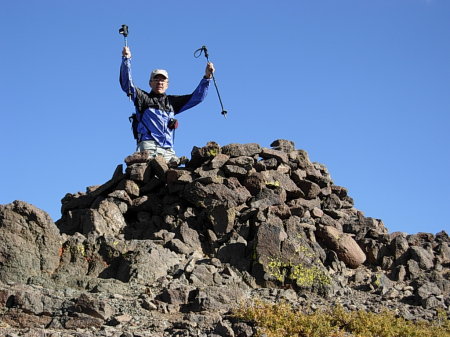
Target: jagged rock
[310, 190]
[149, 202]
[284, 168]
[30, 242]
[137, 157]
[267, 247]
[283, 145]
[254, 183]
[244, 162]
[414, 270]
[149, 262]
[399, 246]
[268, 197]
[210, 175]
[76, 201]
[238, 150]
[224, 329]
[266, 164]
[242, 330]
[179, 247]
[420, 239]
[234, 171]
[151, 184]
[235, 252]
[120, 319]
[280, 156]
[216, 298]
[332, 202]
[239, 222]
[219, 160]
[139, 172]
[130, 187]
[159, 167]
[203, 275]
[81, 321]
[177, 296]
[107, 219]
[178, 176]
[376, 253]
[427, 295]
[121, 199]
[301, 158]
[281, 211]
[382, 284]
[200, 155]
[222, 219]
[284, 182]
[29, 299]
[212, 195]
[190, 237]
[93, 307]
[301, 205]
[422, 256]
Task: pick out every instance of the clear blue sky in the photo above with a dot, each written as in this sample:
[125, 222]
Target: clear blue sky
[363, 86]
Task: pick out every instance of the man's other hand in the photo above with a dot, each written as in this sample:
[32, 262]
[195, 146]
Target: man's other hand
[209, 70]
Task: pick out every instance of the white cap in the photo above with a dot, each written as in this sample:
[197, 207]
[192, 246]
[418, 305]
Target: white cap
[159, 72]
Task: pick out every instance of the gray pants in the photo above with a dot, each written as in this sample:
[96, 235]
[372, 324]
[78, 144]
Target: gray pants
[154, 149]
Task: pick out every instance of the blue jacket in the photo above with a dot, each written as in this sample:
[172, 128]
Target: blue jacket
[154, 111]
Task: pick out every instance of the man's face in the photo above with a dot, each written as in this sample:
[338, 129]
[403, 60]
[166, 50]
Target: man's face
[159, 84]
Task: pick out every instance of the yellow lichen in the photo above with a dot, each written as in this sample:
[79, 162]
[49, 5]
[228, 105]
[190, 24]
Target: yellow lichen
[300, 274]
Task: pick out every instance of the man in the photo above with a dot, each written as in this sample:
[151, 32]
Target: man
[155, 111]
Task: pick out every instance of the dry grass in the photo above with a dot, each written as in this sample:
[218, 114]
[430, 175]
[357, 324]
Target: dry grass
[280, 320]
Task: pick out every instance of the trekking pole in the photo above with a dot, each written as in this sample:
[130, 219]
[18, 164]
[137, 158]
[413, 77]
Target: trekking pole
[124, 31]
[197, 54]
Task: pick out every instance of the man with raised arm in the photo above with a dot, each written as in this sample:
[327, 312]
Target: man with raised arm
[155, 111]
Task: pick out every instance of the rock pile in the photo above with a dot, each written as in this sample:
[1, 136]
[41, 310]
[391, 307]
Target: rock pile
[160, 250]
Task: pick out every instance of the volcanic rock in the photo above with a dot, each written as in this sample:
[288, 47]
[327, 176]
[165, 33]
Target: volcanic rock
[167, 250]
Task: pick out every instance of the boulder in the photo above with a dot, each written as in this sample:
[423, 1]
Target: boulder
[222, 219]
[423, 257]
[30, 243]
[346, 248]
[280, 156]
[237, 150]
[283, 145]
[310, 190]
[200, 155]
[137, 157]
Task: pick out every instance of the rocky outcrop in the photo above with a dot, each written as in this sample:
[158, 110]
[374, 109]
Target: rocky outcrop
[30, 243]
[168, 250]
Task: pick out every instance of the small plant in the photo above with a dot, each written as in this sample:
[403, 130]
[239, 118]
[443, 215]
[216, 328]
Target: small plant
[212, 152]
[309, 276]
[81, 249]
[77, 250]
[304, 251]
[280, 320]
[377, 280]
[273, 183]
[278, 270]
[302, 275]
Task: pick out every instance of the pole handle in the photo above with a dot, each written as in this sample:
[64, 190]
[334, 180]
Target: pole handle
[197, 54]
[124, 30]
